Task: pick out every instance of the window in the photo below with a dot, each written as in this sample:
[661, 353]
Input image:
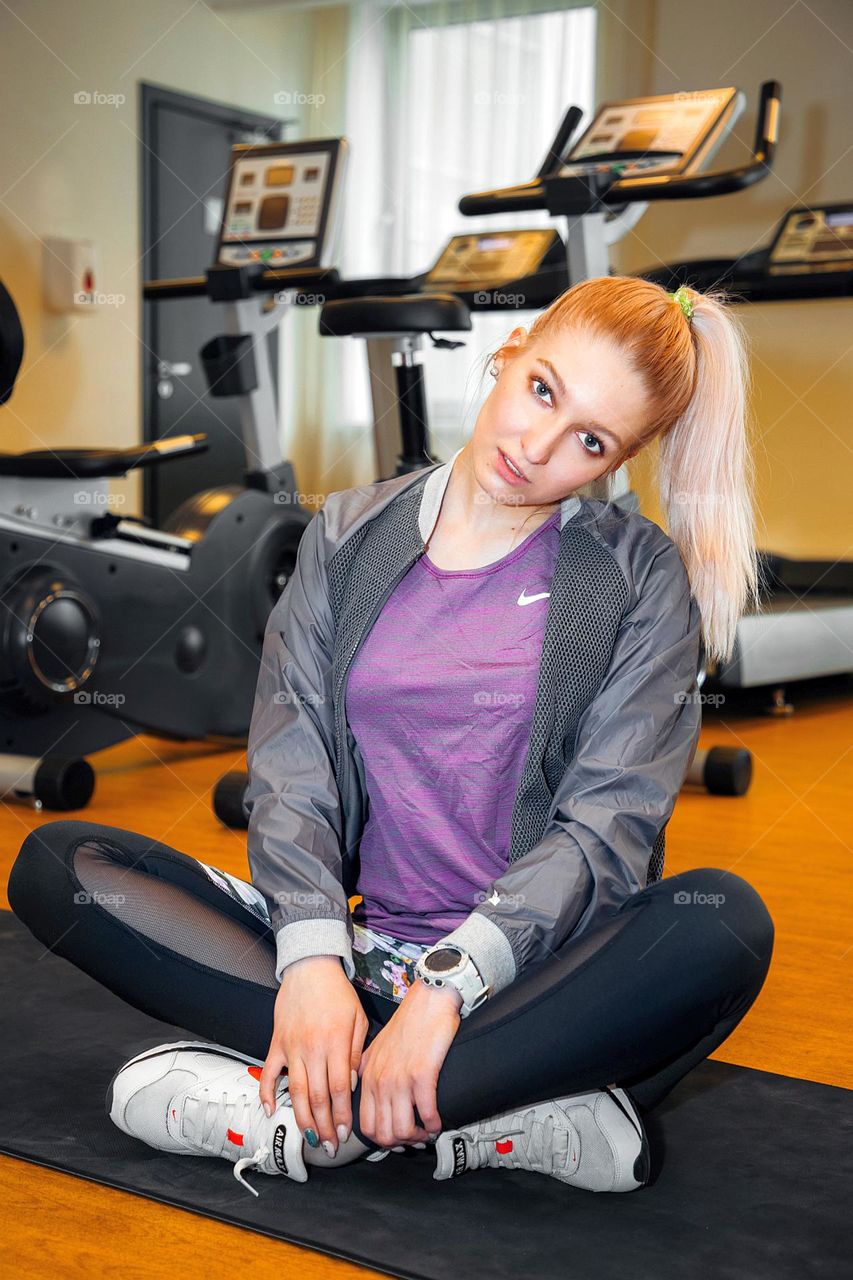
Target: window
[435, 109]
[483, 101]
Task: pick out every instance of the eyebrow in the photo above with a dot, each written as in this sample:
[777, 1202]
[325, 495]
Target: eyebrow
[592, 426]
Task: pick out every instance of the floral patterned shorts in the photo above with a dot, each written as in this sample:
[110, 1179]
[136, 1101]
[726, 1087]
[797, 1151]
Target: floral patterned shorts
[383, 964]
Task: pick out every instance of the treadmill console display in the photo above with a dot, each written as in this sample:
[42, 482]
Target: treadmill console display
[813, 240]
[488, 259]
[282, 203]
[670, 134]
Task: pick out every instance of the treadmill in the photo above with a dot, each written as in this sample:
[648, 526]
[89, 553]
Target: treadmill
[803, 629]
[809, 256]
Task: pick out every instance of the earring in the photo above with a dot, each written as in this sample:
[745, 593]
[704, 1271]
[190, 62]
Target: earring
[493, 368]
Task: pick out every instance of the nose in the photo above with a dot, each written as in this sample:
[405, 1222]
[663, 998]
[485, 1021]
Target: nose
[539, 442]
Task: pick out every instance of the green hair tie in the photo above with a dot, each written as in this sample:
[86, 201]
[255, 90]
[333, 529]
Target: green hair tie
[680, 296]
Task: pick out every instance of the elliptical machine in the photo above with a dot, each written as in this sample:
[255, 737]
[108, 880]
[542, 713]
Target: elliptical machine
[109, 627]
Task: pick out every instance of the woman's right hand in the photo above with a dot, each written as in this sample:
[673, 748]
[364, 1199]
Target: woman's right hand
[318, 1037]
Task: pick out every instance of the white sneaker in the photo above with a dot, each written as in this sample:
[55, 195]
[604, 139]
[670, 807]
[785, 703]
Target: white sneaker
[592, 1140]
[197, 1099]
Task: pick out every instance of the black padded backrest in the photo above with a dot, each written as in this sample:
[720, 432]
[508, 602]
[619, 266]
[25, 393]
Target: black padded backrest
[11, 343]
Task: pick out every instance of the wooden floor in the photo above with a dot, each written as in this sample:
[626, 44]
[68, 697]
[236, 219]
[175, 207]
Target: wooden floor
[790, 837]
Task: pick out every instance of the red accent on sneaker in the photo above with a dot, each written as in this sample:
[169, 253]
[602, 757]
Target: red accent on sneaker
[256, 1072]
[236, 1138]
[174, 1114]
[504, 1148]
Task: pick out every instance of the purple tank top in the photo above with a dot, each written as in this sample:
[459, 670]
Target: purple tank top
[440, 699]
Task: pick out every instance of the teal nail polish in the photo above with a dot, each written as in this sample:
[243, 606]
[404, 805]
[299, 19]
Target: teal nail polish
[311, 1138]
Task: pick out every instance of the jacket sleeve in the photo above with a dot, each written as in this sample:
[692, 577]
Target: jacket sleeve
[634, 744]
[295, 812]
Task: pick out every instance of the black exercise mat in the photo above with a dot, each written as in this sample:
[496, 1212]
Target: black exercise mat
[751, 1171]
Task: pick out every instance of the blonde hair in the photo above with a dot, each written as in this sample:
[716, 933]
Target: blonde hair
[696, 373]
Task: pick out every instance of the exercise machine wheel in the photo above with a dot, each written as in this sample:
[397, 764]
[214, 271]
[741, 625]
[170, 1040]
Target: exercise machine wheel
[722, 771]
[228, 800]
[54, 782]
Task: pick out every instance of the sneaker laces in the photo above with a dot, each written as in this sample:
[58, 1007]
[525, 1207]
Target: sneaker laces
[544, 1145]
[250, 1162]
[207, 1122]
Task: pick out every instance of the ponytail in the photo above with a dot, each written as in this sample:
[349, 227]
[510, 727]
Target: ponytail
[706, 478]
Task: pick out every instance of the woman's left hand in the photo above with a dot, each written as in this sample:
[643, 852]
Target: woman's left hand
[399, 1069]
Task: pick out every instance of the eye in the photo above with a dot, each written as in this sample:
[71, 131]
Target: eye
[539, 382]
[598, 452]
[587, 435]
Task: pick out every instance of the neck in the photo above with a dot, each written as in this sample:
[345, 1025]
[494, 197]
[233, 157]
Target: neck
[466, 504]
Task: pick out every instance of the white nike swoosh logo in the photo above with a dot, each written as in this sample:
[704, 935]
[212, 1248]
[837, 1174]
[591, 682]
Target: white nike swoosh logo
[523, 599]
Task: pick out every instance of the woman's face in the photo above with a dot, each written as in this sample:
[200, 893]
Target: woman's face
[565, 409]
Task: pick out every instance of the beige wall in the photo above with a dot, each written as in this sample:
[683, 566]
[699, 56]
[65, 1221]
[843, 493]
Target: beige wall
[72, 171]
[800, 350]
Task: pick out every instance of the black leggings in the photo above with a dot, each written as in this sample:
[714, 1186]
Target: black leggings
[638, 1001]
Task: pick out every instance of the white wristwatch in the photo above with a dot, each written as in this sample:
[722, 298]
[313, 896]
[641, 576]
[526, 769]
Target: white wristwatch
[444, 963]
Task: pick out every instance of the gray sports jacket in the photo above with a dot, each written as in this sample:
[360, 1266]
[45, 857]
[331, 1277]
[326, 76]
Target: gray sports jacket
[614, 729]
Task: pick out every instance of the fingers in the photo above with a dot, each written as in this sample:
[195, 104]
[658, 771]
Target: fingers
[386, 1113]
[342, 1105]
[427, 1105]
[272, 1069]
[367, 1105]
[384, 1127]
[340, 1091]
[403, 1118]
[330, 1087]
[298, 1086]
[320, 1101]
[359, 1031]
[309, 1086]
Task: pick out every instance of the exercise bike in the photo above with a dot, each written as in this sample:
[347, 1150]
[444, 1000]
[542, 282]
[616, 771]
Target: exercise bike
[109, 627]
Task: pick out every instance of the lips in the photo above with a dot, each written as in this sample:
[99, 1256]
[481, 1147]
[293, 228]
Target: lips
[513, 463]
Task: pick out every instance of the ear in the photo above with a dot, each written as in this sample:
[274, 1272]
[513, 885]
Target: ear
[518, 339]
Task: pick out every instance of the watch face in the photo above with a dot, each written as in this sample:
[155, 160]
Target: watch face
[442, 960]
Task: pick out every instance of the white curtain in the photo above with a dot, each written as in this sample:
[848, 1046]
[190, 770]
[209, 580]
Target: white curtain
[440, 99]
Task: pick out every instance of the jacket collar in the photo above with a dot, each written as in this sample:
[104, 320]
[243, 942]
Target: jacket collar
[433, 492]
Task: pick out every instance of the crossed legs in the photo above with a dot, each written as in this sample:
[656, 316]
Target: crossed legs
[638, 1001]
